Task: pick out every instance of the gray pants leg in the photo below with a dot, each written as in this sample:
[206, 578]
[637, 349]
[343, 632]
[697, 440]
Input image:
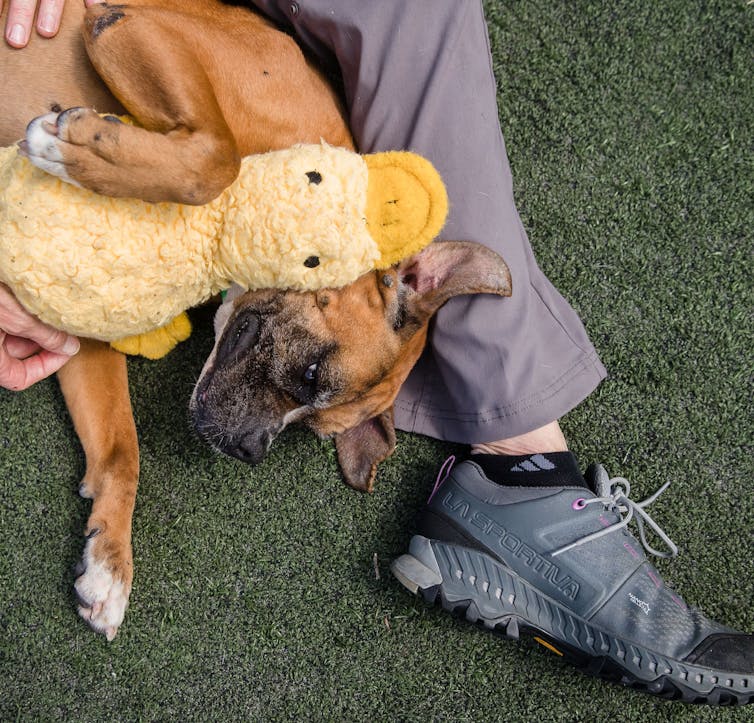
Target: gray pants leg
[417, 75]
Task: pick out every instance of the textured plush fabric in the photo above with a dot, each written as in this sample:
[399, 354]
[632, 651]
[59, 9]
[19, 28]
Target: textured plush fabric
[302, 218]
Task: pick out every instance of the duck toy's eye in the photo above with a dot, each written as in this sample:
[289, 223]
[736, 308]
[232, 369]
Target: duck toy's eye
[314, 177]
[312, 262]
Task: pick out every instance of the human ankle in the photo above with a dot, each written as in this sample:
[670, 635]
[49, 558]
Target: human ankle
[545, 439]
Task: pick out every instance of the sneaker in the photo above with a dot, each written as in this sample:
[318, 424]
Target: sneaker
[559, 564]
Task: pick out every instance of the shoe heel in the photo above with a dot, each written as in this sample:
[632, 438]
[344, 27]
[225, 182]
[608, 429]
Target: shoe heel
[417, 571]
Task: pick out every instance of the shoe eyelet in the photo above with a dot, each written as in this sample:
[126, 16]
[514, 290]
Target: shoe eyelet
[579, 504]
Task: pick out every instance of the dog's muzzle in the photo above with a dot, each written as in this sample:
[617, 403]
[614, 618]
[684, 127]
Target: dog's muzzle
[249, 446]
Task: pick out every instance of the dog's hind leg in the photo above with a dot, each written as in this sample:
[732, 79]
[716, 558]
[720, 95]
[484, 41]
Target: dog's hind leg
[95, 386]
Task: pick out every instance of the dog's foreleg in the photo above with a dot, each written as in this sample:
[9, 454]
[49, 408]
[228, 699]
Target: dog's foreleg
[181, 149]
[95, 387]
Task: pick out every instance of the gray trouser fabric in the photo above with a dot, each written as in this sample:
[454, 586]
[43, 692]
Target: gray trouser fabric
[417, 75]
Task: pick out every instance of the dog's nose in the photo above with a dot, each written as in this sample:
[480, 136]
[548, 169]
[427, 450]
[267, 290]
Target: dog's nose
[251, 448]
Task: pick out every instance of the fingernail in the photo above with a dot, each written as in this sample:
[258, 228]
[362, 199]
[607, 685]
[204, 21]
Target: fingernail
[71, 346]
[17, 35]
[47, 23]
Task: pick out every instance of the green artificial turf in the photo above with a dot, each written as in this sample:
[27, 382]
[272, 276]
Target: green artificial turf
[628, 125]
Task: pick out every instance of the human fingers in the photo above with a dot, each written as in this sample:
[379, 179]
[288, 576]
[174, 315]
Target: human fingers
[19, 374]
[50, 339]
[19, 23]
[16, 321]
[20, 348]
[21, 19]
[48, 17]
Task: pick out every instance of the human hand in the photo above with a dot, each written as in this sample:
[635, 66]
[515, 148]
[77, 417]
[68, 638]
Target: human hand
[29, 349]
[21, 19]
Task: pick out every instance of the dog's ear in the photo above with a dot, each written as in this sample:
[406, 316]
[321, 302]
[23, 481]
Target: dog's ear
[431, 277]
[445, 269]
[361, 448]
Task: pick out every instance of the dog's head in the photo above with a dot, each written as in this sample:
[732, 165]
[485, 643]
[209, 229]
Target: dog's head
[332, 360]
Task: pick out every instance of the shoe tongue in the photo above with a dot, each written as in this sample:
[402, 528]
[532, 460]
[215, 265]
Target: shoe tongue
[597, 479]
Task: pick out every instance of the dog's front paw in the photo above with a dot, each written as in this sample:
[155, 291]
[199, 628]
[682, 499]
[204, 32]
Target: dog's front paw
[103, 585]
[72, 145]
[43, 146]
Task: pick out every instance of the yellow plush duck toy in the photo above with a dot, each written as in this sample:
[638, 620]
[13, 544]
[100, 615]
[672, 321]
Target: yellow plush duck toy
[124, 271]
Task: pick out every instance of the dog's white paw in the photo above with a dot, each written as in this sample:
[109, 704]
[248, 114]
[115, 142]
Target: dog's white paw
[43, 147]
[101, 591]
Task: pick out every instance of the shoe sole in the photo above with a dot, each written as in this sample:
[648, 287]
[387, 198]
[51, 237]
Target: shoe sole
[469, 583]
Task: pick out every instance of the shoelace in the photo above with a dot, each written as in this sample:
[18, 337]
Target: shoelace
[614, 495]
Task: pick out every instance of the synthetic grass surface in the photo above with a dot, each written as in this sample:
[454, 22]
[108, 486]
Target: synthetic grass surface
[629, 131]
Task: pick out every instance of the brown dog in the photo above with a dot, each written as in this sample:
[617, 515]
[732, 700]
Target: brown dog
[333, 360]
[209, 83]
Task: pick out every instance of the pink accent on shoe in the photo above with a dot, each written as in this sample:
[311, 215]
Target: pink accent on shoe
[678, 601]
[579, 504]
[447, 465]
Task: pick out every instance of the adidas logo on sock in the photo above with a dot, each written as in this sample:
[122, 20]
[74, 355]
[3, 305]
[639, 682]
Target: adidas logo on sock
[535, 463]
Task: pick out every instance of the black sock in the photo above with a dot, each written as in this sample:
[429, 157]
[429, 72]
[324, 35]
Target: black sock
[551, 469]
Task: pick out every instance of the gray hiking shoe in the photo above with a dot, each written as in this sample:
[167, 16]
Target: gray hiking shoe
[558, 563]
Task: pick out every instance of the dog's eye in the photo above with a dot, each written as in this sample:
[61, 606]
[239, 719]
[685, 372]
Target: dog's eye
[312, 262]
[314, 177]
[310, 374]
[307, 389]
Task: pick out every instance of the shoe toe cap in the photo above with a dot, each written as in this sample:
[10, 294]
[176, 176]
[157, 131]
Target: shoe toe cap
[732, 652]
